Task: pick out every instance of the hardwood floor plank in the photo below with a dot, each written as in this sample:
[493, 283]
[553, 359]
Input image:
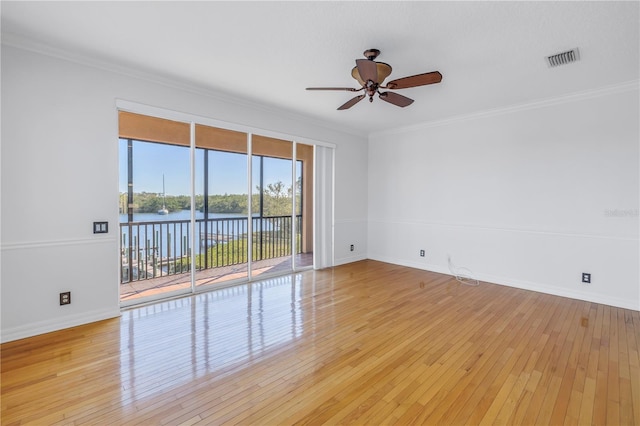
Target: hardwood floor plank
[363, 343]
[632, 321]
[624, 384]
[613, 385]
[545, 362]
[600, 407]
[571, 348]
[460, 400]
[588, 394]
[554, 401]
[509, 375]
[537, 341]
[574, 388]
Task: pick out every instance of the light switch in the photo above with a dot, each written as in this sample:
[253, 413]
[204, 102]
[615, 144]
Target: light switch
[100, 227]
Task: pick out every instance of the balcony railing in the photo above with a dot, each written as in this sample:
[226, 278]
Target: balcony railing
[160, 248]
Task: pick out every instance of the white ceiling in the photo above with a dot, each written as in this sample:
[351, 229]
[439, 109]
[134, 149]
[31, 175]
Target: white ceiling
[491, 54]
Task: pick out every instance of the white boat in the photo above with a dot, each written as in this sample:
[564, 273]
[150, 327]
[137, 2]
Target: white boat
[163, 210]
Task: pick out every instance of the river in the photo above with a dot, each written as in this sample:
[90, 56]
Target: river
[162, 234]
[173, 216]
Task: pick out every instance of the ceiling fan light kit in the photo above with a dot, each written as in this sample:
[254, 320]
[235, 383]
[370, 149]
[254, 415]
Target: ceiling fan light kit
[371, 74]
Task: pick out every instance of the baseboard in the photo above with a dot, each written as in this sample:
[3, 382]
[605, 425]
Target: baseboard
[48, 326]
[562, 292]
[350, 259]
[524, 285]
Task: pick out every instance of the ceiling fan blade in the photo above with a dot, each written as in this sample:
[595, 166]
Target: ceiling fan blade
[348, 89]
[396, 99]
[415, 80]
[352, 102]
[367, 69]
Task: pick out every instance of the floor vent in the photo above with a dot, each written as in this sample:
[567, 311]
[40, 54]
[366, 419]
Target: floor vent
[563, 58]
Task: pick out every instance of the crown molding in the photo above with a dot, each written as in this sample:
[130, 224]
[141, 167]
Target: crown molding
[23, 43]
[627, 86]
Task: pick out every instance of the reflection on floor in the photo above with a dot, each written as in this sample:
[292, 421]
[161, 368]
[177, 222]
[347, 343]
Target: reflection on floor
[366, 343]
[154, 286]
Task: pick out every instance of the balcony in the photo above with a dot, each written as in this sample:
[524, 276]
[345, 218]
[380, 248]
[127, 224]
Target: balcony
[155, 256]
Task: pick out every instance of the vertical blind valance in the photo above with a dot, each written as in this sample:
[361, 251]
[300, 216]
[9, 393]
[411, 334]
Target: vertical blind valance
[161, 130]
[154, 129]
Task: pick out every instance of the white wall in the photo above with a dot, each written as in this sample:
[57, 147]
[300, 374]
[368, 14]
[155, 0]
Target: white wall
[521, 197]
[351, 208]
[60, 173]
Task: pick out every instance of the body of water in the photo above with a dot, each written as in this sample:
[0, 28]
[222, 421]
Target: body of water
[164, 236]
[173, 216]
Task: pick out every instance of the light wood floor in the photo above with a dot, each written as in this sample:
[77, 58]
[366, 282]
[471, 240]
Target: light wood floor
[364, 343]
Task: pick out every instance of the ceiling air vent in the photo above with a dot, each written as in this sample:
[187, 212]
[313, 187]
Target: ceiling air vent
[563, 58]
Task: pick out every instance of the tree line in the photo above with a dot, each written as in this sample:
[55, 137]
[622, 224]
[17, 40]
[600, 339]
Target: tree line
[276, 201]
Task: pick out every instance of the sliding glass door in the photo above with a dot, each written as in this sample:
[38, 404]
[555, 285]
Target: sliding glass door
[203, 206]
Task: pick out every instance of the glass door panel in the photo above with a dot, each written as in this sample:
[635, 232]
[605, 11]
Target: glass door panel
[272, 201]
[154, 228]
[222, 227]
[304, 206]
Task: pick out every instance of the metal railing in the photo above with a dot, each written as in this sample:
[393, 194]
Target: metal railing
[155, 249]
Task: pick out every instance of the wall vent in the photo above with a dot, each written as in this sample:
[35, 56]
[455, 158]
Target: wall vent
[563, 58]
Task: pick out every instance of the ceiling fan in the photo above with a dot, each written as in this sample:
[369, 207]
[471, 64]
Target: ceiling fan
[371, 74]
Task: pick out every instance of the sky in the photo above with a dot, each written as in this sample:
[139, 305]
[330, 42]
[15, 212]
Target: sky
[227, 171]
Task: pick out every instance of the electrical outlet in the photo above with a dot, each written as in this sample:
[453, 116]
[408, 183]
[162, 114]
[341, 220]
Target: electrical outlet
[65, 298]
[421, 253]
[352, 248]
[586, 278]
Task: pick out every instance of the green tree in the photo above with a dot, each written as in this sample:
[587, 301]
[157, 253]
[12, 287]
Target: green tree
[276, 198]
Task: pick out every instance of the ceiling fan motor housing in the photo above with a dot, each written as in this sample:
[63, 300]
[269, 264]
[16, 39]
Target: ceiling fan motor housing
[371, 54]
